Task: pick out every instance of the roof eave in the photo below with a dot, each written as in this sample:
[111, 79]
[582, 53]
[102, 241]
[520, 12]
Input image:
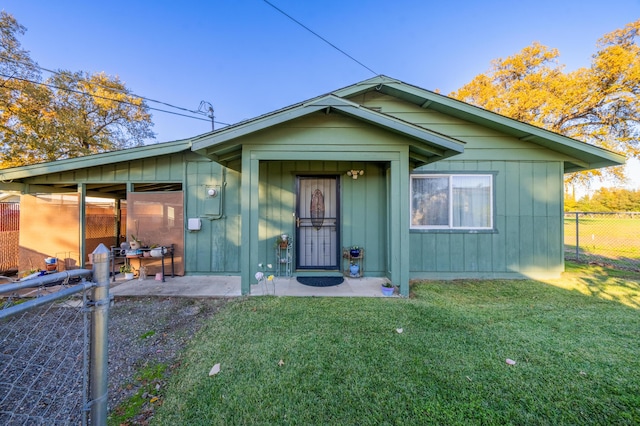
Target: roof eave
[93, 160]
[593, 156]
[574, 166]
[219, 143]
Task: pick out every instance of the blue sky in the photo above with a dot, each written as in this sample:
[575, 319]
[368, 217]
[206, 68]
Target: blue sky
[246, 58]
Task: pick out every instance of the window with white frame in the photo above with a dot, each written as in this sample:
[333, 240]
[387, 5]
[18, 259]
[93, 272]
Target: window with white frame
[463, 201]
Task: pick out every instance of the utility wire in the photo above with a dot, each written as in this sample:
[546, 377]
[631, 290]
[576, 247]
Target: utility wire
[98, 96]
[109, 88]
[99, 85]
[320, 37]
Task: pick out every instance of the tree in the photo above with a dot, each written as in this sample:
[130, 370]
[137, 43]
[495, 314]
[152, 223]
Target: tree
[14, 61]
[599, 105]
[615, 200]
[605, 200]
[69, 114]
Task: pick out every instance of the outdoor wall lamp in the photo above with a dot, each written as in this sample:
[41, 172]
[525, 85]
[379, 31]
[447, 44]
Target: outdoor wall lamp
[212, 192]
[355, 173]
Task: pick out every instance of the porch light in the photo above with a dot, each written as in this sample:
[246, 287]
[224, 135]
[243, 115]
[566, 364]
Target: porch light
[212, 192]
[355, 173]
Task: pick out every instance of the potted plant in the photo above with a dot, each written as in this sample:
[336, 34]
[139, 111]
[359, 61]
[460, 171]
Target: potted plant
[157, 251]
[127, 270]
[135, 243]
[387, 289]
[354, 270]
[282, 241]
[354, 251]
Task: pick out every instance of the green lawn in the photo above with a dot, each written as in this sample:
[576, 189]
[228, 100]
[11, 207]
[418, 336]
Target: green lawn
[575, 342]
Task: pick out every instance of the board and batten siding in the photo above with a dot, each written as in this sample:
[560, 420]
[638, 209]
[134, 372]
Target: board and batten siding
[345, 143]
[166, 168]
[482, 143]
[527, 236]
[363, 211]
[362, 206]
[528, 196]
[215, 248]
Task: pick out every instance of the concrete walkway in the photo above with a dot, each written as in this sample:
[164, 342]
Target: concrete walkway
[229, 286]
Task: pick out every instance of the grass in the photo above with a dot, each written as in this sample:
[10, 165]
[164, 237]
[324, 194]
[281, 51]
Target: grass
[148, 377]
[147, 334]
[342, 361]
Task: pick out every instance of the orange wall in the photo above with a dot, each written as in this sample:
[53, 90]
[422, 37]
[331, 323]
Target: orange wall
[51, 228]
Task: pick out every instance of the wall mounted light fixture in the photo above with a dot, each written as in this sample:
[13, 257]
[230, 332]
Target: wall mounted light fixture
[355, 173]
[211, 192]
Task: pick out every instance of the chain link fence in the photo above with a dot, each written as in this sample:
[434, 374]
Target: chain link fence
[608, 238]
[43, 375]
[53, 347]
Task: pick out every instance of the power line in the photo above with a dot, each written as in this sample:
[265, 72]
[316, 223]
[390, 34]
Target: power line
[320, 37]
[99, 85]
[98, 96]
[112, 89]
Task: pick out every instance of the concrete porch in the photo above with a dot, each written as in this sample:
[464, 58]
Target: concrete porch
[229, 286]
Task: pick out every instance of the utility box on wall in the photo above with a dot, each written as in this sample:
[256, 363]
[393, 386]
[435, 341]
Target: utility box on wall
[208, 200]
[194, 224]
[211, 205]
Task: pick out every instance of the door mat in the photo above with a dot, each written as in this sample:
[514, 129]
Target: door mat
[320, 281]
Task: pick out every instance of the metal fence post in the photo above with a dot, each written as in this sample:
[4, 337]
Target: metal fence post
[577, 237]
[99, 337]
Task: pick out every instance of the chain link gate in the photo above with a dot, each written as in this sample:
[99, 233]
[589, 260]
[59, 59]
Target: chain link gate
[53, 356]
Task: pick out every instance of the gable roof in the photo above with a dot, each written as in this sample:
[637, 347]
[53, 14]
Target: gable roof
[428, 146]
[585, 156]
[425, 145]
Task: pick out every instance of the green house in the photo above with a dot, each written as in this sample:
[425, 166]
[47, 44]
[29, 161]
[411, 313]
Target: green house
[428, 186]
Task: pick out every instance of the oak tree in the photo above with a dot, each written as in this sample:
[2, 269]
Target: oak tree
[68, 114]
[606, 200]
[599, 105]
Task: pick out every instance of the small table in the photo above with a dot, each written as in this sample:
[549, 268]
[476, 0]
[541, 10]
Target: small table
[349, 259]
[117, 252]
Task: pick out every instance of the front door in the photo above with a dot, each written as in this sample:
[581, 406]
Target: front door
[317, 223]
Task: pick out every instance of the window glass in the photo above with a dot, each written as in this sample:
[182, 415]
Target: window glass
[471, 201]
[430, 202]
[451, 201]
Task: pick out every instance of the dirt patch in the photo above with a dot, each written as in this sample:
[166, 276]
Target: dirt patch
[148, 331]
